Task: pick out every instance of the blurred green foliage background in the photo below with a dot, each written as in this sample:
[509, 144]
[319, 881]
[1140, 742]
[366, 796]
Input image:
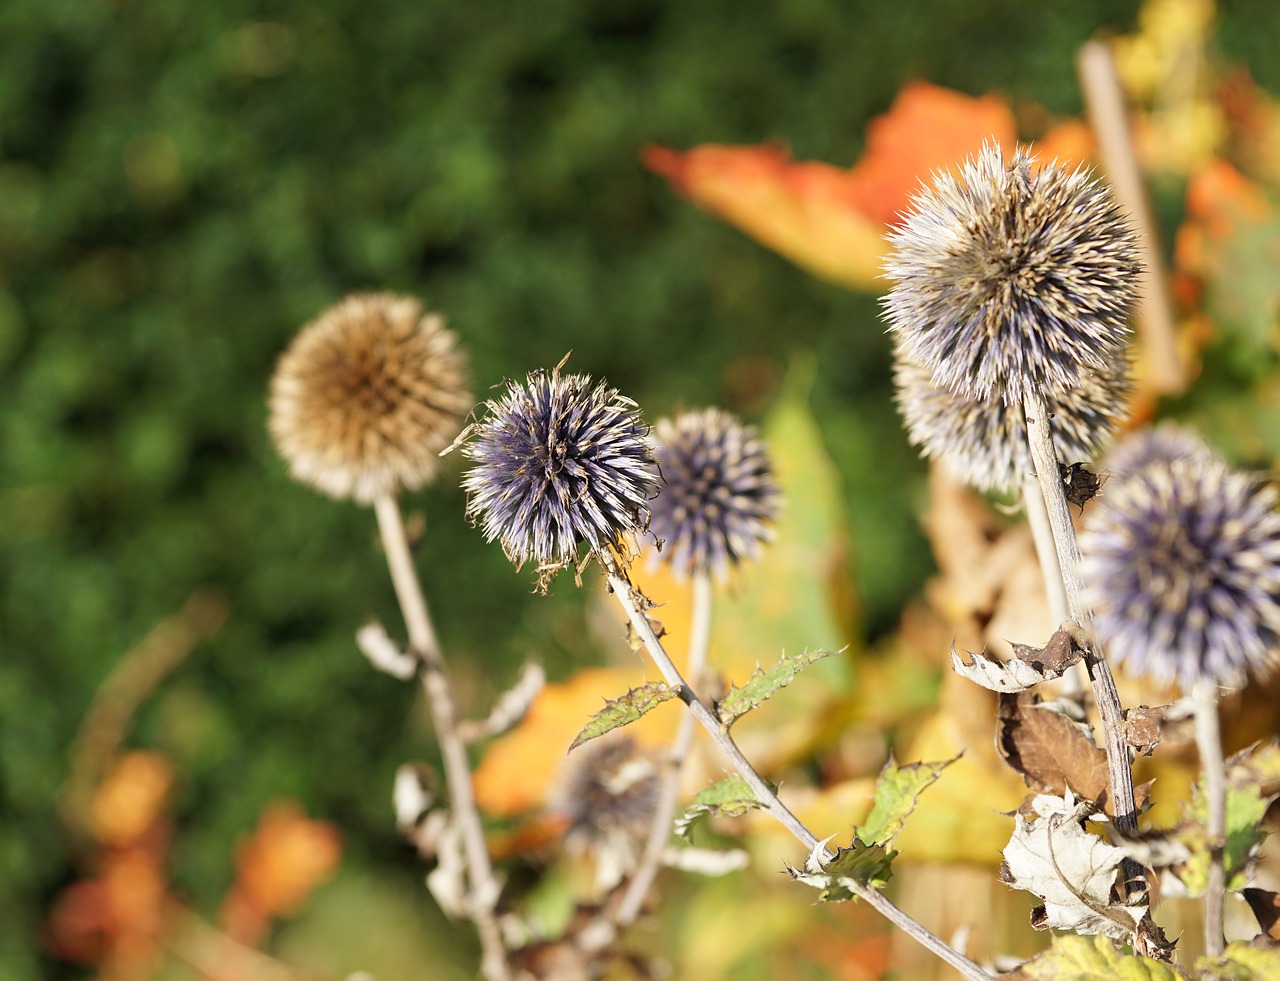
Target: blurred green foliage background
[183, 185]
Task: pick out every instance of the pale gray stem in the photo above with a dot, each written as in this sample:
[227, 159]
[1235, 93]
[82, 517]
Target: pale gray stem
[1104, 102]
[1209, 743]
[1050, 571]
[622, 589]
[1046, 552]
[1040, 442]
[483, 887]
[669, 791]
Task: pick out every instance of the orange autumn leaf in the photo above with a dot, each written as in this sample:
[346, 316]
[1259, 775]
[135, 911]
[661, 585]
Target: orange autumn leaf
[521, 768]
[1226, 253]
[805, 211]
[928, 128]
[825, 218]
[285, 858]
[131, 798]
[113, 920]
[1070, 144]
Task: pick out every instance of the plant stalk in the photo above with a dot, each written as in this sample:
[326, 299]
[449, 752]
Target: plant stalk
[483, 886]
[1123, 803]
[626, 595]
[669, 792]
[1209, 743]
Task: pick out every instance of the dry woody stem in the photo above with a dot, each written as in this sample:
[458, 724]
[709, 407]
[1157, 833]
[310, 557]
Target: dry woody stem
[1039, 435]
[625, 593]
[483, 887]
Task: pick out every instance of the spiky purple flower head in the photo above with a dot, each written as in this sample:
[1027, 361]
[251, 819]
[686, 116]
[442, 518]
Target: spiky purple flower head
[718, 496]
[983, 442]
[562, 462]
[1165, 442]
[1011, 279]
[1181, 565]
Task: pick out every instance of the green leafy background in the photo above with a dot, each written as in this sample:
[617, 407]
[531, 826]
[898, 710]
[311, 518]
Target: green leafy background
[182, 185]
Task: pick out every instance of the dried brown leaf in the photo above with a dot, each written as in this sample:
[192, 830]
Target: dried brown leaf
[1266, 908]
[1142, 727]
[1050, 751]
[1055, 657]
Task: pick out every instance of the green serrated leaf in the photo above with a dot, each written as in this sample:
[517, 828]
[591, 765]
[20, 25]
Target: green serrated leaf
[858, 865]
[624, 710]
[866, 864]
[730, 797]
[763, 685]
[898, 788]
[1073, 958]
[1242, 961]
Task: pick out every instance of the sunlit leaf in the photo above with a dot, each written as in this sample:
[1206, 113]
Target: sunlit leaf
[897, 791]
[1073, 958]
[1072, 870]
[1053, 753]
[1253, 781]
[764, 684]
[625, 709]
[837, 879]
[1230, 245]
[799, 596]
[519, 768]
[1257, 961]
[131, 798]
[803, 210]
[1013, 675]
[730, 797]
[965, 819]
[928, 128]
[284, 859]
[824, 218]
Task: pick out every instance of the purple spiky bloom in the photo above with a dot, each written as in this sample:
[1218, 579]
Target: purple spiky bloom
[1009, 279]
[1181, 565]
[983, 442]
[562, 462]
[718, 497]
[1165, 442]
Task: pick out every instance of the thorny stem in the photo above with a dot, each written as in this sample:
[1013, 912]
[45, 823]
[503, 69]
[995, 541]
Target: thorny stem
[1209, 743]
[627, 596]
[484, 887]
[1123, 804]
[669, 791]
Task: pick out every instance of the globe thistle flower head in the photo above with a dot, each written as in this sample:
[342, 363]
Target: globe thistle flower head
[718, 497]
[1181, 565]
[367, 395]
[562, 462]
[1009, 279]
[983, 442]
[1165, 443]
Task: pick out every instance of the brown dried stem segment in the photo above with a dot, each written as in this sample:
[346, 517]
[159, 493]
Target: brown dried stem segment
[483, 887]
[633, 604]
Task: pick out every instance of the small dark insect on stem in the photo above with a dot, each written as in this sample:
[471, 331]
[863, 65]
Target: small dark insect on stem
[1081, 484]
